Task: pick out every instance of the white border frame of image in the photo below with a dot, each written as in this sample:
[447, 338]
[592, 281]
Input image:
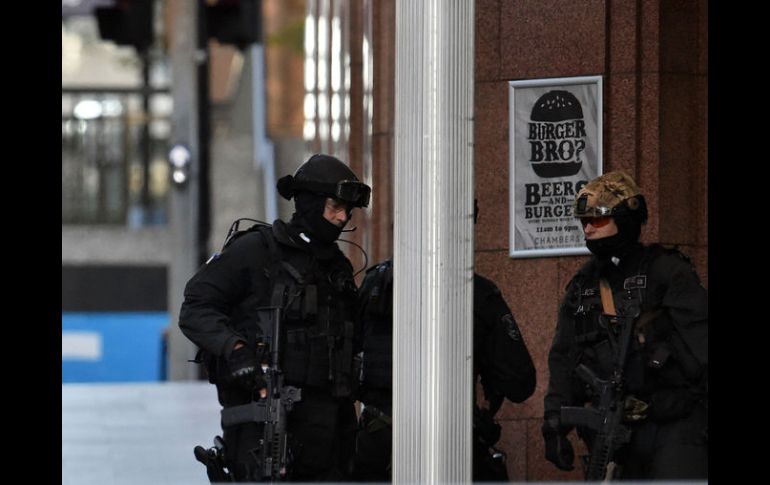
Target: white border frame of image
[528, 83]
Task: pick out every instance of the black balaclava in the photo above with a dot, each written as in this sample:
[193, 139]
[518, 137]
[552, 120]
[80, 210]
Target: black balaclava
[309, 217]
[618, 245]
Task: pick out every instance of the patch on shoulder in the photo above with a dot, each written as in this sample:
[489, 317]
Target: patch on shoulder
[511, 327]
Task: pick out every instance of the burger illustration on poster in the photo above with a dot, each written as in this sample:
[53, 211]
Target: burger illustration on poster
[557, 135]
[555, 150]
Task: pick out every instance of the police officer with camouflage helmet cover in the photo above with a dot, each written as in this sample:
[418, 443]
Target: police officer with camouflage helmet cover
[297, 266]
[665, 373]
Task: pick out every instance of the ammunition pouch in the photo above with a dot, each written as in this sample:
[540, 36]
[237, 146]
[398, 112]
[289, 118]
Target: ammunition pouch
[671, 404]
[320, 356]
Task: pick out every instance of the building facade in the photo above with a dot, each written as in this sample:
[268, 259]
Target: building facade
[652, 57]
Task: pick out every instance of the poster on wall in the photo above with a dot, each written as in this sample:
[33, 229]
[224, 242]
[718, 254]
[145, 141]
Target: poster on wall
[555, 148]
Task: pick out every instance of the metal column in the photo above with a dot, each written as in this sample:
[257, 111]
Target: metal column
[264, 155]
[433, 255]
[186, 58]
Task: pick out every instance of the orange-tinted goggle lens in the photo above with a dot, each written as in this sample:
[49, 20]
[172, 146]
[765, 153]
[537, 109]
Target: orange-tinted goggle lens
[595, 221]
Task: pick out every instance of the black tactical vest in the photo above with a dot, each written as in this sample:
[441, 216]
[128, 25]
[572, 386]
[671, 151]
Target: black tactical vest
[317, 298]
[594, 343]
[648, 364]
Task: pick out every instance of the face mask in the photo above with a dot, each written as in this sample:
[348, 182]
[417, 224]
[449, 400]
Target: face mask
[606, 247]
[309, 215]
[620, 244]
[324, 230]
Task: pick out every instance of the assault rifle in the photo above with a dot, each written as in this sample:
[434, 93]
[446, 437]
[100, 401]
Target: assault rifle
[273, 456]
[607, 417]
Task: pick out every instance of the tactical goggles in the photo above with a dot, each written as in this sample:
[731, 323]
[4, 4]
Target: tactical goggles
[597, 222]
[352, 192]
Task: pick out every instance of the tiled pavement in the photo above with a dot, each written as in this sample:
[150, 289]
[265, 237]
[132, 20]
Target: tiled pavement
[120, 434]
[136, 433]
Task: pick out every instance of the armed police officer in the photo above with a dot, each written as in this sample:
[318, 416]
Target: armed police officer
[501, 359]
[631, 342]
[297, 268]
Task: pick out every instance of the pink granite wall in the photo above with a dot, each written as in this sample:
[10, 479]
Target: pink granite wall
[654, 60]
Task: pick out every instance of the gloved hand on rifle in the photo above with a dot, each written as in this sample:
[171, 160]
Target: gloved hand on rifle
[485, 429]
[245, 369]
[558, 449]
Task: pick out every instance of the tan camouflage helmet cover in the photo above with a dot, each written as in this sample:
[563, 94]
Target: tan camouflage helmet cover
[603, 194]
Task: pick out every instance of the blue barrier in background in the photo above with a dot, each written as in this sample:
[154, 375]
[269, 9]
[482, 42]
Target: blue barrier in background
[113, 347]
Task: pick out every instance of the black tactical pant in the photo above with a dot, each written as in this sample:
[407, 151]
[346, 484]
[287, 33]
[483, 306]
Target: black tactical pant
[373, 449]
[372, 461]
[671, 450]
[321, 431]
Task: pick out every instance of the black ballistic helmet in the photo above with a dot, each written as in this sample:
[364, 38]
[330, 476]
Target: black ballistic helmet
[328, 176]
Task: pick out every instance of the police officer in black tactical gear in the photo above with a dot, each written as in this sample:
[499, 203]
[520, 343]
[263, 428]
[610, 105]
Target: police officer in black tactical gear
[665, 372]
[298, 267]
[500, 357]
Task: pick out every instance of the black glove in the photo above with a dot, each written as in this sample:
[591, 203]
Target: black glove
[245, 370]
[484, 427]
[558, 449]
